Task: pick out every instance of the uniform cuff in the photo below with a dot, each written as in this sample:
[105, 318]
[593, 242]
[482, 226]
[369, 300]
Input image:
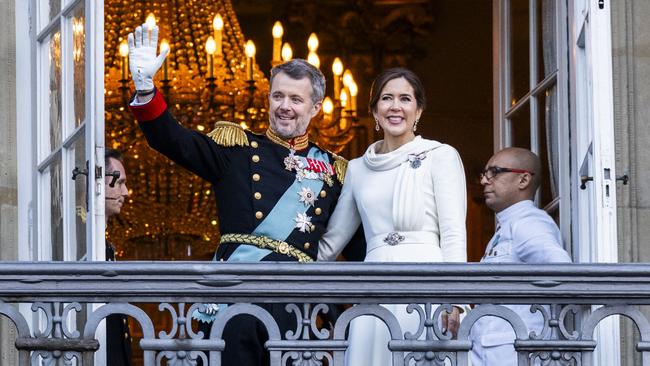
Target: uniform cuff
[150, 111]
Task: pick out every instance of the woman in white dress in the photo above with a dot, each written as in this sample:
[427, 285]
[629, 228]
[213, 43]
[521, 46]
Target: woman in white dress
[409, 193]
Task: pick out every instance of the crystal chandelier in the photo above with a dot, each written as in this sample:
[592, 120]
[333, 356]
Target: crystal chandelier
[209, 75]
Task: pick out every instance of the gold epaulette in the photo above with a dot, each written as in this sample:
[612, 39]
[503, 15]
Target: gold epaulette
[340, 166]
[229, 134]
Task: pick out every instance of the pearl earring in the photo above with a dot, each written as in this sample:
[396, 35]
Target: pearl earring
[376, 125]
[415, 125]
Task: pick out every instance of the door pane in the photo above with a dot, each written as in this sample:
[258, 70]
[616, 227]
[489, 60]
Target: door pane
[54, 200]
[520, 127]
[48, 9]
[79, 60]
[546, 42]
[52, 50]
[520, 50]
[79, 203]
[548, 143]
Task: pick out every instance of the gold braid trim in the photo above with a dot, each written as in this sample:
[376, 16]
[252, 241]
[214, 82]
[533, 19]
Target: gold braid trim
[296, 143]
[340, 167]
[228, 134]
[267, 243]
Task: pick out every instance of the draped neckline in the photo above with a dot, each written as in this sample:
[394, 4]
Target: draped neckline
[391, 160]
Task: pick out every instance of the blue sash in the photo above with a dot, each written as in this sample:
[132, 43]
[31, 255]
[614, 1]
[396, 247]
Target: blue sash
[279, 223]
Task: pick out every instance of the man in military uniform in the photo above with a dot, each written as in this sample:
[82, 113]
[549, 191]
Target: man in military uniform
[275, 191]
[118, 337]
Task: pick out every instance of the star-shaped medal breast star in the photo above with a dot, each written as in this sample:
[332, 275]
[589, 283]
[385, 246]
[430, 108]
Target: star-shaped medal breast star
[307, 196]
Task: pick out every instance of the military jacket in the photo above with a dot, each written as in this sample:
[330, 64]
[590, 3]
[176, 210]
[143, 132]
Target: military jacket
[258, 186]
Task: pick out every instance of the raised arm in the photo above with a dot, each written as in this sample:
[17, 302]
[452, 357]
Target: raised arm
[190, 149]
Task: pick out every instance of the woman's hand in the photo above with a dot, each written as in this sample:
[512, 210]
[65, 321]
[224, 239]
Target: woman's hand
[451, 322]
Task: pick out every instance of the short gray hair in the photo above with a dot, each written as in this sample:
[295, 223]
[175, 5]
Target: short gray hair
[298, 69]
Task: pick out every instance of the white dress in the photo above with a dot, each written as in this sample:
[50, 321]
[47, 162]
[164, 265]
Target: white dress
[416, 192]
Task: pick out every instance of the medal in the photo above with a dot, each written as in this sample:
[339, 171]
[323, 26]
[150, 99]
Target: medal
[307, 196]
[303, 223]
[308, 168]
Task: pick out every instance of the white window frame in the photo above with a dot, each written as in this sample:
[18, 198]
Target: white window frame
[32, 241]
[586, 140]
[593, 130]
[592, 151]
[31, 212]
[502, 99]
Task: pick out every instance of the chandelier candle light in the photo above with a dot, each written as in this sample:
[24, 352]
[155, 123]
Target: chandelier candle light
[249, 49]
[211, 48]
[217, 25]
[277, 33]
[354, 90]
[349, 84]
[328, 107]
[124, 53]
[287, 52]
[312, 45]
[337, 70]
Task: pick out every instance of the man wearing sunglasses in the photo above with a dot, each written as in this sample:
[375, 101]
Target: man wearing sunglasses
[524, 234]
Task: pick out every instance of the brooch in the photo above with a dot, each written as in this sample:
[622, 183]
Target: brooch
[307, 196]
[303, 223]
[393, 238]
[416, 159]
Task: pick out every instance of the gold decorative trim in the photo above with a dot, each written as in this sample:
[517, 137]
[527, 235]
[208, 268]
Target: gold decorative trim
[296, 143]
[267, 243]
[340, 167]
[228, 134]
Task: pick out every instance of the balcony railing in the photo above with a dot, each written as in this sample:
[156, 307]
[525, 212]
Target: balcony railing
[58, 292]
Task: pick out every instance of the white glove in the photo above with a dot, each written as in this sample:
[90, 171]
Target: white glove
[143, 61]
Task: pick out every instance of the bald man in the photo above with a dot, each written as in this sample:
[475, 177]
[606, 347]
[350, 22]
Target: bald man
[524, 234]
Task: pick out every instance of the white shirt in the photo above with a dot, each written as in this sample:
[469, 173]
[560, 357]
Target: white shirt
[525, 234]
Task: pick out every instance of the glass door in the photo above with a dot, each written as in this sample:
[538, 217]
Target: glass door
[553, 95]
[67, 136]
[69, 131]
[531, 99]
